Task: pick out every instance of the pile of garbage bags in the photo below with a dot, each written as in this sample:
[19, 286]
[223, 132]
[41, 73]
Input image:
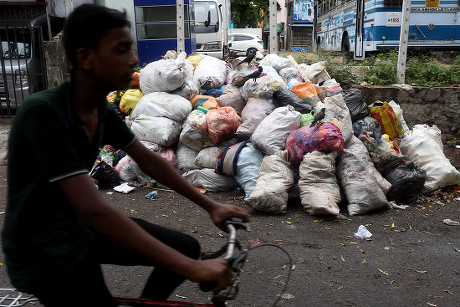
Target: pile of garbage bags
[278, 130]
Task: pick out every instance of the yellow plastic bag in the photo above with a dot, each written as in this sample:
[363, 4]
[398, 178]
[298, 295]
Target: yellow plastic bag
[194, 59]
[204, 101]
[387, 118]
[129, 100]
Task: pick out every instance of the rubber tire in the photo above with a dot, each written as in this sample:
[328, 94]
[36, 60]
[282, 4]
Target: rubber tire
[252, 48]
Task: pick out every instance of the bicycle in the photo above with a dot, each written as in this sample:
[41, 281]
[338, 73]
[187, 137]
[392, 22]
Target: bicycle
[11, 297]
[236, 261]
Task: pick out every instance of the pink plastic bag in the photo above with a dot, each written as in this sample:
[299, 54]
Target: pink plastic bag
[222, 123]
[325, 137]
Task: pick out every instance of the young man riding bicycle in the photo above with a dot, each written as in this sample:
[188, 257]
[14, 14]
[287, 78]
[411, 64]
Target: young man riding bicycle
[58, 229]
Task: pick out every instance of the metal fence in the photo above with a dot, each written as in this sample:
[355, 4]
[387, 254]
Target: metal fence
[22, 60]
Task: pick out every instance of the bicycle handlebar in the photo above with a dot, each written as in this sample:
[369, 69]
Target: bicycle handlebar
[234, 262]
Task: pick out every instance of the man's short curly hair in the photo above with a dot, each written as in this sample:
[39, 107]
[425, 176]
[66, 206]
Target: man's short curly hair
[87, 25]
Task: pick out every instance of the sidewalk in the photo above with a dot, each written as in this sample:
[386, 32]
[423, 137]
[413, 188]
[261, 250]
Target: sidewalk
[5, 124]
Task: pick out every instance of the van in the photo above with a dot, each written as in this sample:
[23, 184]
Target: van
[23, 29]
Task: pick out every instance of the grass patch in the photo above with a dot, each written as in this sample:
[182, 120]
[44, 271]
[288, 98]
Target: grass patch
[423, 68]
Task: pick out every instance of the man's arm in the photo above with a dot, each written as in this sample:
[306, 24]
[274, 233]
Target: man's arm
[104, 218]
[159, 169]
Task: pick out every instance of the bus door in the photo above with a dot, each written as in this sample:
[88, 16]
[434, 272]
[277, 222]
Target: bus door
[359, 30]
[156, 28]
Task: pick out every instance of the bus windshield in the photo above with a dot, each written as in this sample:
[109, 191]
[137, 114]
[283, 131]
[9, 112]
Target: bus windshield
[206, 17]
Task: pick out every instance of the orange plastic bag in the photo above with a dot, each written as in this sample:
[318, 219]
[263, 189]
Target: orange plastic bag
[387, 118]
[222, 123]
[307, 92]
[205, 101]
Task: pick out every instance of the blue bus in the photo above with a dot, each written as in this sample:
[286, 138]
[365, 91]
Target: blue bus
[360, 26]
[156, 28]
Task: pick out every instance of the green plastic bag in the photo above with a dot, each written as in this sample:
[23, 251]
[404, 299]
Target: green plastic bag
[307, 119]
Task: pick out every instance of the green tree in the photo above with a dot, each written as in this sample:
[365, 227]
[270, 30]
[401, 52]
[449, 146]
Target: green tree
[248, 13]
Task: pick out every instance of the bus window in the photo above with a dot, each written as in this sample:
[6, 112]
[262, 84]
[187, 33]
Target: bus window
[392, 2]
[158, 31]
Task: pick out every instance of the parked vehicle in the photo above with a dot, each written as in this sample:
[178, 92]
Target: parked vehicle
[212, 23]
[359, 26]
[22, 61]
[241, 43]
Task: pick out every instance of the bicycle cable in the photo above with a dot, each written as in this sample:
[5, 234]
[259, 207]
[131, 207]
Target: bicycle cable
[289, 270]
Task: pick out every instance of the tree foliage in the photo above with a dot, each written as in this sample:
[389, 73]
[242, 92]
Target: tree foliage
[249, 13]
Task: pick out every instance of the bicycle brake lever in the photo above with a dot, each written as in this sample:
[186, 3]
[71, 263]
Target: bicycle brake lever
[236, 224]
[236, 261]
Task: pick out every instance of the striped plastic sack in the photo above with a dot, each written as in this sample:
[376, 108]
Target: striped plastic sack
[387, 118]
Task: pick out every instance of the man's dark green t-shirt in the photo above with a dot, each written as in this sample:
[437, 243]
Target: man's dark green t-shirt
[48, 143]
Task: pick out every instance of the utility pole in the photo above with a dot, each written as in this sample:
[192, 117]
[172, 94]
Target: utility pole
[273, 27]
[180, 26]
[314, 48]
[403, 40]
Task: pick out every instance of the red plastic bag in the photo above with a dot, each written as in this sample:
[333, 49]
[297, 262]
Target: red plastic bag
[325, 137]
[222, 123]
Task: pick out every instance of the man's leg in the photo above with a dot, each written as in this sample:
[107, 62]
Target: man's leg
[84, 286]
[161, 282]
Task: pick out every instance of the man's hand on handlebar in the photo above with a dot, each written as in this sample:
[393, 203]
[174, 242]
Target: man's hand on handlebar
[221, 211]
[215, 270]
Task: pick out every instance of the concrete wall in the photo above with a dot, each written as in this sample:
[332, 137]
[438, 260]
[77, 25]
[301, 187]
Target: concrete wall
[57, 67]
[438, 106]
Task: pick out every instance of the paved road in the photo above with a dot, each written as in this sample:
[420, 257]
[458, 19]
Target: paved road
[412, 259]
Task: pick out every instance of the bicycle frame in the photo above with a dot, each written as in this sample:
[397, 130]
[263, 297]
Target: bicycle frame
[218, 299]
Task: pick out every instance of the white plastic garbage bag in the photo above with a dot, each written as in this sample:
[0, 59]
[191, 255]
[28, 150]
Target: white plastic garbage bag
[207, 179]
[232, 97]
[159, 130]
[163, 104]
[207, 157]
[276, 61]
[276, 177]
[255, 110]
[318, 186]
[165, 75]
[356, 174]
[210, 73]
[316, 72]
[185, 158]
[423, 146]
[270, 135]
[263, 87]
[337, 108]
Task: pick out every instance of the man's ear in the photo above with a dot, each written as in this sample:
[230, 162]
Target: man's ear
[85, 58]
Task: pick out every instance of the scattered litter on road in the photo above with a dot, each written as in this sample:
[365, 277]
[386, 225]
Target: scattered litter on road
[394, 205]
[363, 233]
[152, 195]
[287, 296]
[451, 222]
[181, 296]
[124, 188]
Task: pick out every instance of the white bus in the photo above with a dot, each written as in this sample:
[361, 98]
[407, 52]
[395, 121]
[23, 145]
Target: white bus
[360, 26]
